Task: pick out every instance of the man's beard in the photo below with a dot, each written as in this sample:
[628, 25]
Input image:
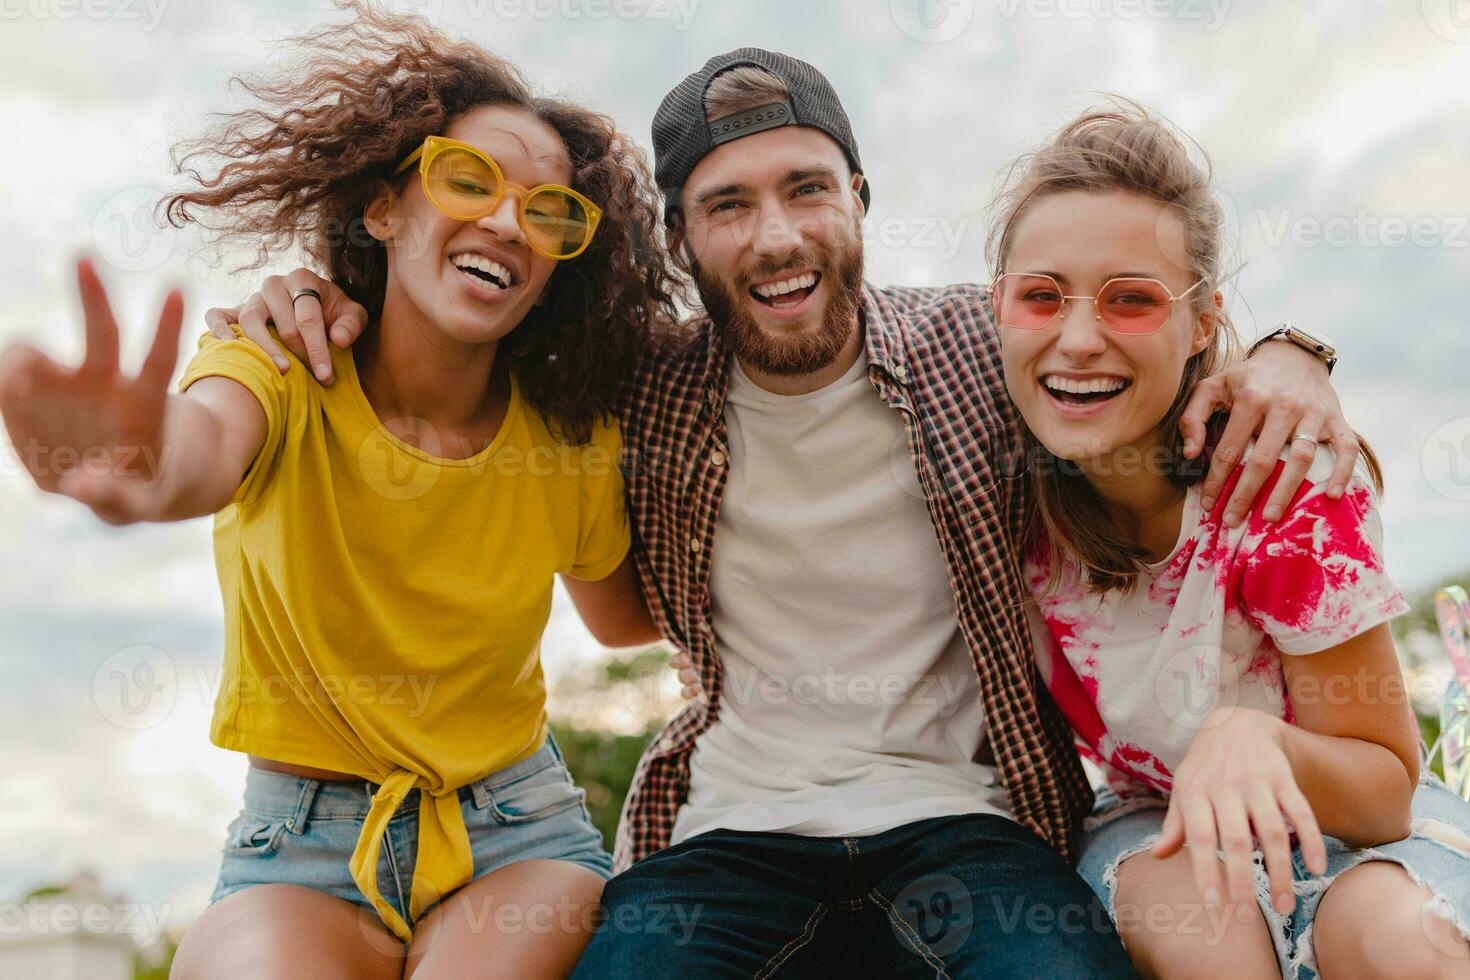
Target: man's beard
[804, 352]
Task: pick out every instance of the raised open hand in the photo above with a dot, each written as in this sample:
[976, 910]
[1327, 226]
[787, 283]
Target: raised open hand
[93, 433]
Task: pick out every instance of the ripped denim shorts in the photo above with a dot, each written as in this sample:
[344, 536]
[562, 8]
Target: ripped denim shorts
[1119, 829]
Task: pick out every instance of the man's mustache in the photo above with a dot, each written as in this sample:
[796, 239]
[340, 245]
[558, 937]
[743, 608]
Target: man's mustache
[792, 265]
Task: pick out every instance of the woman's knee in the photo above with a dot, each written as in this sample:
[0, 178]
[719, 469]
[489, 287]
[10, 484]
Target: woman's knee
[1375, 921]
[1170, 931]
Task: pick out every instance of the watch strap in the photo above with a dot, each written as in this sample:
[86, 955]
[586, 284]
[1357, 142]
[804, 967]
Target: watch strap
[1289, 331]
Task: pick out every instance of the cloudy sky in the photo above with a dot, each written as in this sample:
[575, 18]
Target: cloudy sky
[1338, 133]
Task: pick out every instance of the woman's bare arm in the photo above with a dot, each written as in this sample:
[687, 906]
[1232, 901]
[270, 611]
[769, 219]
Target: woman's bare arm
[1355, 746]
[122, 445]
[613, 607]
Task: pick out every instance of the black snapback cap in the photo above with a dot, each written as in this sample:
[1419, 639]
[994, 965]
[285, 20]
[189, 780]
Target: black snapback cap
[682, 136]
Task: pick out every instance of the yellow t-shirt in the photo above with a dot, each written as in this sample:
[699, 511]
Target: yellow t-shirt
[384, 606]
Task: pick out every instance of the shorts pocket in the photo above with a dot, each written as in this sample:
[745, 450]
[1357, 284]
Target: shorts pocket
[253, 834]
[535, 795]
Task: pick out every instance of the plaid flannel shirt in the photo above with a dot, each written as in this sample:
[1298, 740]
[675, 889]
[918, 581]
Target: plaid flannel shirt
[933, 357]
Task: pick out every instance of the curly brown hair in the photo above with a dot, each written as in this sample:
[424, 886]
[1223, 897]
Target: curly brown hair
[300, 169]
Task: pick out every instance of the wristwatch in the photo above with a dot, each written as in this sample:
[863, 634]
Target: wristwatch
[1317, 345]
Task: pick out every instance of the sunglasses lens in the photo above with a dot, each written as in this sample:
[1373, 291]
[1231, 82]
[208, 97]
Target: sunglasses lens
[461, 184]
[464, 186]
[556, 222]
[1134, 306]
[1026, 302]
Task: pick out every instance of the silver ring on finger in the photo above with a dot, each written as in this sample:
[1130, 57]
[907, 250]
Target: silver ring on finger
[1303, 435]
[297, 294]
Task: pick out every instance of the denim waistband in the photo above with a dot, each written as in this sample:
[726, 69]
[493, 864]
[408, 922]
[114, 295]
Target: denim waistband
[296, 799]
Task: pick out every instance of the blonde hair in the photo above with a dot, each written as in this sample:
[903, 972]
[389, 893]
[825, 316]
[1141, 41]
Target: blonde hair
[740, 88]
[1122, 146]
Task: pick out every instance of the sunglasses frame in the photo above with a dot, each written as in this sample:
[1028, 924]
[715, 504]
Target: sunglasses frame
[435, 146]
[1096, 309]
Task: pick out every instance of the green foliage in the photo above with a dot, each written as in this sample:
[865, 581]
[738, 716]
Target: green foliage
[601, 761]
[603, 765]
[142, 970]
[1421, 617]
[1429, 731]
[1421, 611]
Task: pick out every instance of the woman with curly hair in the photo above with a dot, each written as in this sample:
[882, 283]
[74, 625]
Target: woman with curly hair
[387, 545]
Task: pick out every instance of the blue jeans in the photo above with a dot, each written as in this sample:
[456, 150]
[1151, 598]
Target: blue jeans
[966, 896]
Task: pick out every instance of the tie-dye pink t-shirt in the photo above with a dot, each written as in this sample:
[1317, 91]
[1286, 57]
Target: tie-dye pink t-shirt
[1136, 673]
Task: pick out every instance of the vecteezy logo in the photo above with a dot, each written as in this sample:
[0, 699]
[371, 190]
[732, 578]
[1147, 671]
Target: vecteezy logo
[136, 688]
[128, 234]
[932, 21]
[393, 473]
[650, 688]
[1446, 459]
[1437, 918]
[1450, 19]
[1192, 682]
[937, 909]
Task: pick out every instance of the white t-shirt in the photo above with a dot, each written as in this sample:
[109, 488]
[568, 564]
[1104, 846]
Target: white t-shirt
[850, 704]
[1136, 673]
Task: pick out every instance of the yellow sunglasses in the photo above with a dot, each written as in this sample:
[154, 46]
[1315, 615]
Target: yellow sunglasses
[466, 185]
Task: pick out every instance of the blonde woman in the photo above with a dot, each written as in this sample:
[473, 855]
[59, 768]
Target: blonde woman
[1238, 686]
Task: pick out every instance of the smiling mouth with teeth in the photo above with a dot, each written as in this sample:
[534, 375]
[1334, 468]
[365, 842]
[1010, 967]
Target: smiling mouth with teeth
[786, 293]
[486, 271]
[1072, 392]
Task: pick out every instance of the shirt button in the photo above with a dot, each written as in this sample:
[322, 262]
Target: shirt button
[717, 458]
[900, 372]
[694, 544]
[665, 744]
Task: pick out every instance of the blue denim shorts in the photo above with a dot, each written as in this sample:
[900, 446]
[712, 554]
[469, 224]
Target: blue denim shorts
[294, 830]
[1118, 830]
